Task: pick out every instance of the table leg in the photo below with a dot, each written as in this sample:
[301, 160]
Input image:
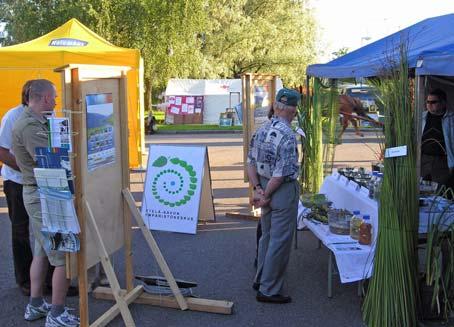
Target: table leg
[296, 239]
[330, 274]
[360, 286]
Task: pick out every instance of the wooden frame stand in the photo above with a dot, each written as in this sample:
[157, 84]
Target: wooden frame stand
[103, 202]
[249, 82]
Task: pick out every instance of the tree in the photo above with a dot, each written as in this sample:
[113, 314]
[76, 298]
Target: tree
[267, 36]
[28, 19]
[164, 31]
[339, 53]
[184, 38]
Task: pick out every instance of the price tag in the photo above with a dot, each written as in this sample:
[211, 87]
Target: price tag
[364, 191]
[353, 186]
[343, 180]
[398, 151]
[335, 175]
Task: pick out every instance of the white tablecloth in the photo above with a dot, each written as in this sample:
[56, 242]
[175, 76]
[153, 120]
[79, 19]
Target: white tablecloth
[354, 261]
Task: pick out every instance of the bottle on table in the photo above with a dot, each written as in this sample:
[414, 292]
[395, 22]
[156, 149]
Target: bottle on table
[365, 231]
[355, 222]
[377, 187]
[371, 184]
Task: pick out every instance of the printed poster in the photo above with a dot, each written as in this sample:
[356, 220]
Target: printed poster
[185, 105]
[100, 130]
[173, 184]
[60, 136]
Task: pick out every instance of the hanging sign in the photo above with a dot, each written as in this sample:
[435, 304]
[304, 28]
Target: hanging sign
[177, 188]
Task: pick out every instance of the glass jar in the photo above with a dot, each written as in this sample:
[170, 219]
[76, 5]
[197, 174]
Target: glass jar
[355, 223]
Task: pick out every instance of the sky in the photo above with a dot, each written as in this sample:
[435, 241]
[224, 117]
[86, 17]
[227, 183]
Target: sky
[355, 23]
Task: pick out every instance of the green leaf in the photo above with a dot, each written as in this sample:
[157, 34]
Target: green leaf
[160, 162]
[175, 161]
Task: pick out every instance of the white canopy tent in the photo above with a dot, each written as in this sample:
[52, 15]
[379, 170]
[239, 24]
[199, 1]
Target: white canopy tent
[219, 94]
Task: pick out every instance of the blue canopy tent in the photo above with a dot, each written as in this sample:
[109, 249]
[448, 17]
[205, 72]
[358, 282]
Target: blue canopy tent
[430, 46]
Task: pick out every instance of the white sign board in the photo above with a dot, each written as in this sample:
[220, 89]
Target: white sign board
[173, 187]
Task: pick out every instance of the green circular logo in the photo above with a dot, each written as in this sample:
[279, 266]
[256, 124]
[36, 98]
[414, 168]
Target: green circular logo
[174, 183]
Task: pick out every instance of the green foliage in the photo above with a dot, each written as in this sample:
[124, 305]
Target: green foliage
[266, 36]
[339, 53]
[184, 38]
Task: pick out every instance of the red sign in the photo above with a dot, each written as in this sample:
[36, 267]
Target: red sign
[185, 105]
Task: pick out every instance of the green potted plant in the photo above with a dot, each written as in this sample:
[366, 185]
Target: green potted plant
[437, 289]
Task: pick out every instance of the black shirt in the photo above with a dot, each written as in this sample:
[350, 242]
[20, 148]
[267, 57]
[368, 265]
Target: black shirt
[433, 142]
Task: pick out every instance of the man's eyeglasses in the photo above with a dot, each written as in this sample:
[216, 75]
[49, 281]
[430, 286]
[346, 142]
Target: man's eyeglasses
[432, 102]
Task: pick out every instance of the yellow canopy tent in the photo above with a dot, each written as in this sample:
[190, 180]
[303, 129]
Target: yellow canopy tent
[72, 43]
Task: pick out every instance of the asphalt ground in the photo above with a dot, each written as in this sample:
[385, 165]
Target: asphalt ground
[220, 257]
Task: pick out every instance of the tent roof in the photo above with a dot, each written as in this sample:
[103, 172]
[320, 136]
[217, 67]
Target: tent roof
[71, 43]
[430, 46]
[202, 86]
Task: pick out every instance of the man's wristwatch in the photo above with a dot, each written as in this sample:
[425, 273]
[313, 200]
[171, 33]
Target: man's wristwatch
[257, 186]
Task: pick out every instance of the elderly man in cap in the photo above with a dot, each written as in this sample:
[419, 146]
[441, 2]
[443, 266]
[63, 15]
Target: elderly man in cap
[273, 170]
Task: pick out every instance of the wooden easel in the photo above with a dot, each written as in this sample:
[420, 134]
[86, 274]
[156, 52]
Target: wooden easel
[103, 234]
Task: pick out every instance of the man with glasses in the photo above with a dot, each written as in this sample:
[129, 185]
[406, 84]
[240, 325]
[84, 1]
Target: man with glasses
[30, 131]
[437, 143]
[273, 170]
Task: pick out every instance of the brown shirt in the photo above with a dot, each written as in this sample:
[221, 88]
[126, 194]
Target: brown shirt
[29, 132]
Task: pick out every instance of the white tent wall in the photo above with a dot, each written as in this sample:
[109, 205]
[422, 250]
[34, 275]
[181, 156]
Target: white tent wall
[219, 94]
[213, 106]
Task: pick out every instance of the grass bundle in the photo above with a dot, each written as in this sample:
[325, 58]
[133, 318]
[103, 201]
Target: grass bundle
[392, 297]
[309, 119]
[330, 126]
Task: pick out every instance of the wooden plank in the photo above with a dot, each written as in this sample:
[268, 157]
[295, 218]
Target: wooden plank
[123, 89]
[110, 273]
[241, 216]
[246, 86]
[110, 314]
[206, 205]
[78, 186]
[103, 185]
[194, 304]
[155, 250]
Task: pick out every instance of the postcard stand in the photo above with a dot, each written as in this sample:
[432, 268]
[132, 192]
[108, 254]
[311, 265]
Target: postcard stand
[103, 202]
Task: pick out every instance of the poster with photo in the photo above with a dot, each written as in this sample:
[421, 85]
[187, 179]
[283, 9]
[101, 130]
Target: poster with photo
[60, 133]
[100, 130]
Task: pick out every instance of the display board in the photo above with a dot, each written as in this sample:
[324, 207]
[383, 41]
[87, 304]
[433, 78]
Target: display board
[97, 111]
[259, 92]
[176, 188]
[185, 109]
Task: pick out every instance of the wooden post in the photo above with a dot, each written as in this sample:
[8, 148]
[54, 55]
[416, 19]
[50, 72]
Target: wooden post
[155, 249]
[110, 273]
[127, 229]
[110, 314]
[77, 172]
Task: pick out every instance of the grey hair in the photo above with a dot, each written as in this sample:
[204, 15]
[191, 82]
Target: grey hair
[281, 106]
[38, 87]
